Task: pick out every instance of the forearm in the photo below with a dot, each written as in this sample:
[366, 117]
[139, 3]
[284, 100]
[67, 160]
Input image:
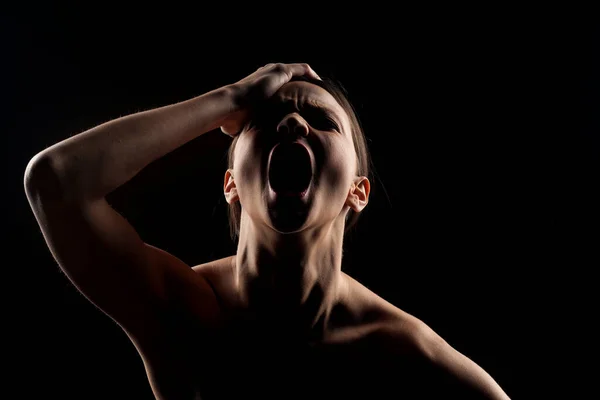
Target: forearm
[94, 163]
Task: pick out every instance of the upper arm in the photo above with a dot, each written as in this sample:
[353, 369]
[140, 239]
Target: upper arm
[105, 258]
[454, 364]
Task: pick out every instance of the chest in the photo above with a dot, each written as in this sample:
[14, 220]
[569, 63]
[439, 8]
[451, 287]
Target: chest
[280, 370]
[246, 361]
[254, 364]
[242, 361]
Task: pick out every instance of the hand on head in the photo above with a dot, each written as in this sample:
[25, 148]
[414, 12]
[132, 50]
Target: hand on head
[259, 86]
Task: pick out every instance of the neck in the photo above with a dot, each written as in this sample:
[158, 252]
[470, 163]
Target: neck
[294, 278]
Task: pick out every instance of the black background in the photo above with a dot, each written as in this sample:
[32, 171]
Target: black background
[482, 125]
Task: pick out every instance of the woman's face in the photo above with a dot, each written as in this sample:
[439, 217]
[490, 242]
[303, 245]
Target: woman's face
[295, 165]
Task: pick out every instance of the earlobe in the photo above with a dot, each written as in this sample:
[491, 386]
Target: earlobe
[229, 188]
[358, 196]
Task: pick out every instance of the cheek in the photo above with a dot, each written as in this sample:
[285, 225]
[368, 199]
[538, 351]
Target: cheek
[247, 164]
[339, 168]
[242, 157]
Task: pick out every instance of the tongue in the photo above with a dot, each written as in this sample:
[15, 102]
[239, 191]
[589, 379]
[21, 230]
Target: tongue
[290, 170]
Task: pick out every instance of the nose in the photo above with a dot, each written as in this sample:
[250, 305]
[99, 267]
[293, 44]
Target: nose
[293, 124]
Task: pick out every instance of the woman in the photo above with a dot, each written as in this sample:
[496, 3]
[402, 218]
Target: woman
[279, 318]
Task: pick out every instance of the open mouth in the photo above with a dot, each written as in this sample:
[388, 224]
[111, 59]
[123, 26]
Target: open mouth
[290, 169]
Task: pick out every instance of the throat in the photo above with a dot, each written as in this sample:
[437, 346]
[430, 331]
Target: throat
[291, 278]
[284, 288]
[290, 305]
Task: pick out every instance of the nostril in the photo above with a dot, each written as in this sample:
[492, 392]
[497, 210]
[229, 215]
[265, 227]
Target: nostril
[302, 130]
[283, 128]
[292, 125]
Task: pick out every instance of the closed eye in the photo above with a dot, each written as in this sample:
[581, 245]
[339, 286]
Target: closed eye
[326, 123]
[317, 117]
[320, 119]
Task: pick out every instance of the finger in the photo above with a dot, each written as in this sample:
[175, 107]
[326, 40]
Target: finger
[266, 66]
[312, 73]
[301, 69]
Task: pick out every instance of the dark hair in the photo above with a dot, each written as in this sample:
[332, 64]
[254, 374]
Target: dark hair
[340, 94]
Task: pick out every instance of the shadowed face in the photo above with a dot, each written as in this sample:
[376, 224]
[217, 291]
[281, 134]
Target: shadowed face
[295, 164]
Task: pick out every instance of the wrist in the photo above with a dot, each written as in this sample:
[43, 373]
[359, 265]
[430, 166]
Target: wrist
[235, 94]
[237, 111]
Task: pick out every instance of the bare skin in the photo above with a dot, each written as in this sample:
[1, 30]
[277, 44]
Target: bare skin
[277, 317]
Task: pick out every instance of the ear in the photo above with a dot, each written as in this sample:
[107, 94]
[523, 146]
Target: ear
[358, 196]
[231, 194]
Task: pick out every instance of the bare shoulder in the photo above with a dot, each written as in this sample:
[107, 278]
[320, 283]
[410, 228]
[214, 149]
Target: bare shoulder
[220, 276]
[214, 267]
[218, 271]
[403, 335]
[395, 329]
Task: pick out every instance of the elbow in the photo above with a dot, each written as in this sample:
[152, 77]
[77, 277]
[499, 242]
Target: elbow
[40, 176]
[34, 171]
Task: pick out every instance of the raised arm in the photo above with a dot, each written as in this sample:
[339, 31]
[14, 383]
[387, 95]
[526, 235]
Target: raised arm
[99, 251]
[92, 164]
